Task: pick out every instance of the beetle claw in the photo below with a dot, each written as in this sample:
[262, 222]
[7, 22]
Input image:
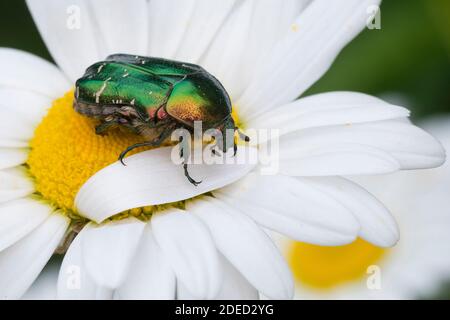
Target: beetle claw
[186, 173]
[121, 160]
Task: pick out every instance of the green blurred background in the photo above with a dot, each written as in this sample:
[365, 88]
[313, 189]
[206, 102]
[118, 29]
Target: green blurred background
[407, 60]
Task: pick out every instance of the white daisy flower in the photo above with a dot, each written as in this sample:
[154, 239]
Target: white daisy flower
[213, 246]
[417, 267]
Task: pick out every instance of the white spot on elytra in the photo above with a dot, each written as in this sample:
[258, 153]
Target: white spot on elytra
[100, 68]
[132, 102]
[99, 92]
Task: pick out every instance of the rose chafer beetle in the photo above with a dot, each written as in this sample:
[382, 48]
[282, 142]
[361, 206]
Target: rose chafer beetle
[153, 97]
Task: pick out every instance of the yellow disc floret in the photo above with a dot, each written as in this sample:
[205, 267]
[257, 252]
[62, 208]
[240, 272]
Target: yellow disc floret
[326, 267]
[66, 152]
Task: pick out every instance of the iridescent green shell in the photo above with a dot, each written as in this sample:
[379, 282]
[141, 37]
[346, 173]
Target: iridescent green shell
[186, 91]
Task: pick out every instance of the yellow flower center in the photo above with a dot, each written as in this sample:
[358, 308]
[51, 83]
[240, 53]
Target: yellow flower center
[327, 267]
[66, 152]
[235, 116]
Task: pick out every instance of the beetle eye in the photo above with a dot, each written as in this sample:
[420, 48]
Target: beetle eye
[123, 120]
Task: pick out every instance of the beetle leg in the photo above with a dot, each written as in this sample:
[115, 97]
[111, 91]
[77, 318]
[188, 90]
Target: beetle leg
[104, 126]
[154, 143]
[185, 156]
[186, 173]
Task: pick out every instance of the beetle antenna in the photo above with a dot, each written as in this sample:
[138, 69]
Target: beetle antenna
[242, 136]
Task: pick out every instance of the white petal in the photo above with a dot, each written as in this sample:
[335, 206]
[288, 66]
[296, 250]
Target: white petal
[306, 52]
[14, 184]
[25, 71]
[293, 207]
[183, 293]
[44, 288]
[151, 276]
[377, 224]
[19, 217]
[249, 33]
[69, 30]
[409, 145]
[331, 159]
[74, 282]
[12, 143]
[247, 247]
[327, 109]
[207, 17]
[168, 21]
[152, 178]
[27, 104]
[108, 250]
[122, 27]
[235, 286]
[188, 246]
[21, 263]
[12, 157]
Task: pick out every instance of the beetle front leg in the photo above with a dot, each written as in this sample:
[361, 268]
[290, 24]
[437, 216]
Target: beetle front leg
[184, 153]
[154, 143]
[186, 173]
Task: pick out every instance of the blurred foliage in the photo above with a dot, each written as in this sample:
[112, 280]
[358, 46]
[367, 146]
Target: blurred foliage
[408, 57]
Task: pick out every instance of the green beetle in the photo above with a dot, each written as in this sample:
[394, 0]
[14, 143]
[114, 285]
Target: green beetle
[153, 97]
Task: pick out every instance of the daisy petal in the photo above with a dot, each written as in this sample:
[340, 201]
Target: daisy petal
[327, 109]
[14, 184]
[183, 293]
[235, 286]
[151, 276]
[305, 54]
[70, 32]
[29, 105]
[236, 237]
[151, 178]
[44, 288]
[206, 19]
[18, 218]
[25, 71]
[22, 262]
[108, 250]
[410, 146]
[74, 282]
[122, 27]
[248, 34]
[377, 224]
[12, 157]
[334, 159]
[6, 142]
[187, 244]
[301, 211]
[168, 19]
